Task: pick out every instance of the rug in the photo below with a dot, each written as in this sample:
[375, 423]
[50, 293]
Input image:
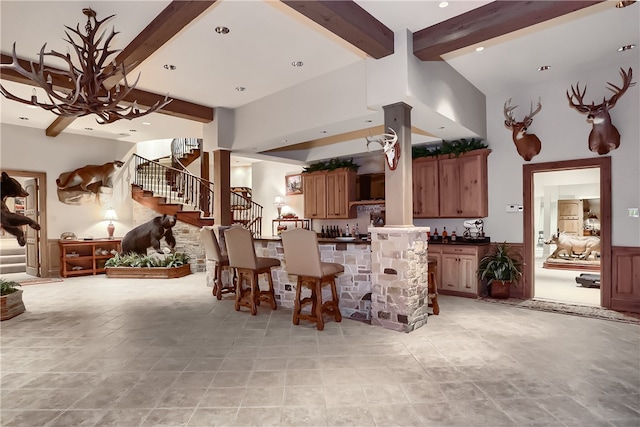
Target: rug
[39, 281]
[570, 309]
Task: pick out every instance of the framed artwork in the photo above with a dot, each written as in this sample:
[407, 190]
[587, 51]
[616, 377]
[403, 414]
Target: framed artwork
[293, 183]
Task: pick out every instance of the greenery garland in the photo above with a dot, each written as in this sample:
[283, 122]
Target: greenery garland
[132, 259]
[450, 148]
[331, 165]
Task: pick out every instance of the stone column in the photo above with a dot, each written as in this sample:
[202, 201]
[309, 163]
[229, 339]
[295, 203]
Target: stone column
[398, 183]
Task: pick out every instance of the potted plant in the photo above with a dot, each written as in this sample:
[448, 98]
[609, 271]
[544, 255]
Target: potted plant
[10, 299]
[501, 269]
[132, 265]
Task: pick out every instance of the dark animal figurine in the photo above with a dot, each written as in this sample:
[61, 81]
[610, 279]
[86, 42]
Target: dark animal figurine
[149, 234]
[12, 222]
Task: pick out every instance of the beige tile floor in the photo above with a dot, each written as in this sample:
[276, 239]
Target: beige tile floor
[95, 351]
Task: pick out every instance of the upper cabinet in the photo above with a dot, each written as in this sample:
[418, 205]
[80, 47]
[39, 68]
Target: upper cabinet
[327, 194]
[453, 187]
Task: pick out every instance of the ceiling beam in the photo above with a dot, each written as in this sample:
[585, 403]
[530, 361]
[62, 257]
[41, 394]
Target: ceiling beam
[349, 21]
[487, 22]
[176, 108]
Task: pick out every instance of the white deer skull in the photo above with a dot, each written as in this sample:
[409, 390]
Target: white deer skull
[390, 147]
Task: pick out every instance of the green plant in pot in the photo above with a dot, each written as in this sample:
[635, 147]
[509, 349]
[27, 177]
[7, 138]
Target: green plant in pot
[10, 299]
[501, 269]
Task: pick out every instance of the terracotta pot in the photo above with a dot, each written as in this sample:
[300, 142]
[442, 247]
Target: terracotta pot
[11, 305]
[500, 290]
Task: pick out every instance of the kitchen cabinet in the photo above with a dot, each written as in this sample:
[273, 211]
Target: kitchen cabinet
[457, 267]
[328, 194]
[426, 199]
[84, 257]
[454, 187]
[314, 187]
[570, 217]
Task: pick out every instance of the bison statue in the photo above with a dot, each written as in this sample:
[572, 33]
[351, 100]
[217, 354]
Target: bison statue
[580, 247]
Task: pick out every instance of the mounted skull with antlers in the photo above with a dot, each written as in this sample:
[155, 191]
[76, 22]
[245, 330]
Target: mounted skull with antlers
[604, 136]
[390, 147]
[528, 145]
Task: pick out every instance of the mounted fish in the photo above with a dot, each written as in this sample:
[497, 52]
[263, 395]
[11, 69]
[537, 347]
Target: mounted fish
[604, 136]
[527, 144]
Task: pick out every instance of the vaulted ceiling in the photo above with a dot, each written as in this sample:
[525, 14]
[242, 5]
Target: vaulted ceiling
[266, 37]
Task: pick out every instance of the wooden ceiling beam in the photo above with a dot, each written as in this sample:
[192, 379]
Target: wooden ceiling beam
[349, 21]
[487, 22]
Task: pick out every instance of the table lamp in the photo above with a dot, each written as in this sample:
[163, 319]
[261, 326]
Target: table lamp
[110, 215]
[279, 203]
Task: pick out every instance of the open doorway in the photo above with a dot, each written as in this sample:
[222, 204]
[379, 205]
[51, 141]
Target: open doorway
[34, 206]
[566, 209]
[585, 179]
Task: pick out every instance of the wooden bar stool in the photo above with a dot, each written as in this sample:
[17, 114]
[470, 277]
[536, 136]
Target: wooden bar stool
[433, 285]
[221, 262]
[248, 267]
[302, 257]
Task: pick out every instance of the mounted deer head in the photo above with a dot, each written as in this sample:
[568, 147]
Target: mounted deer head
[604, 136]
[390, 147]
[528, 145]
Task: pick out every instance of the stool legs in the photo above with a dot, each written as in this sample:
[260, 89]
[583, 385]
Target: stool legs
[433, 293]
[250, 297]
[218, 287]
[318, 308]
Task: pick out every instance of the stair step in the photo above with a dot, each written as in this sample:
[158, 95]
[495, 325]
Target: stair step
[12, 259]
[18, 250]
[12, 268]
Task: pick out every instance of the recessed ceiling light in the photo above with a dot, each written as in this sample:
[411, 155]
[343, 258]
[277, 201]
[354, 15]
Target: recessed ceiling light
[625, 3]
[133, 130]
[443, 4]
[285, 140]
[146, 123]
[222, 30]
[169, 67]
[479, 48]
[88, 128]
[544, 67]
[441, 127]
[123, 134]
[368, 121]
[297, 63]
[626, 47]
[241, 88]
[23, 118]
[323, 131]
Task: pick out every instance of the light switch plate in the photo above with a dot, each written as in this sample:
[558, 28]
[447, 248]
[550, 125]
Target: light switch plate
[634, 212]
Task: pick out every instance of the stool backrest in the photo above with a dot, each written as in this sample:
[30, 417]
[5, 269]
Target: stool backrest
[240, 248]
[301, 252]
[211, 246]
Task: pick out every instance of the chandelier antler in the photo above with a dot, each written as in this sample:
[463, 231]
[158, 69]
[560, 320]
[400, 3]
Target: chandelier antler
[92, 92]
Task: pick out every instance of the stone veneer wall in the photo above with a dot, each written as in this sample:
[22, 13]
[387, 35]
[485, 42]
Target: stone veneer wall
[354, 285]
[187, 237]
[399, 294]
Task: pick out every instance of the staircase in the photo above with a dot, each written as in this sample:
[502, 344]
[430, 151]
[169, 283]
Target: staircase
[167, 189]
[12, 256]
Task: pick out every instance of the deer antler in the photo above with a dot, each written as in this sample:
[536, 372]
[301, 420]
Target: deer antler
[508, 114]
[385, 141]
[618, 92]
[575, 93]
[528, 119]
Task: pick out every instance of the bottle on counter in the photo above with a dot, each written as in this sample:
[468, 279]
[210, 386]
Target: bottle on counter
[322, 232]
[347, 232]
[445, 235]
[356, 233]
[453, 236]
[435, 234]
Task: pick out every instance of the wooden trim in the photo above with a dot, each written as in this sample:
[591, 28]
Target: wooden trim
[486, 22]
[604, 164]
[625, 281]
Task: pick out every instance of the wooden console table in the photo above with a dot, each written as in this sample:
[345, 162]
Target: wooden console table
[85, 257]
[304, 223]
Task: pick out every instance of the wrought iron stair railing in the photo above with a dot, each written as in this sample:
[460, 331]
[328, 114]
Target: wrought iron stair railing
[182, 187]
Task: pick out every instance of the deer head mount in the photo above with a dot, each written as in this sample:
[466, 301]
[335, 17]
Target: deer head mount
[390, 147]
[604, 136]
[528, 145]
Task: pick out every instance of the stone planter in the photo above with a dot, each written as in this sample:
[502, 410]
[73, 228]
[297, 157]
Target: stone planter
[148, 272]
[11, 305]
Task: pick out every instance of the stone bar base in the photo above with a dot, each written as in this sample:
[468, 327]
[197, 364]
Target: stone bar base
[399, 267]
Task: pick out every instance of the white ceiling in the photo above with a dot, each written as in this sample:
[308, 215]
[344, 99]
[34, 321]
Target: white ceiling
[267, 36]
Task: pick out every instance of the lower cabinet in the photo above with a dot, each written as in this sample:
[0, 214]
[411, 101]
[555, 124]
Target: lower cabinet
[457, 266]
[83, 257]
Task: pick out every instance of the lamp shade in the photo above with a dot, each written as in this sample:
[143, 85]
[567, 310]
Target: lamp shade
[279, 201]
[110, 214]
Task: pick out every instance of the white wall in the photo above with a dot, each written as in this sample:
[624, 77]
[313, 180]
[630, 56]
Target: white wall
[28, 149]
[564, 135]
[154, 149]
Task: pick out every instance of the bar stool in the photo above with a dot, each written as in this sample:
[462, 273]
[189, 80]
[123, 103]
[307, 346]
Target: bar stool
[302, 257]
[433, 285]
[242, 258]
[221, 262]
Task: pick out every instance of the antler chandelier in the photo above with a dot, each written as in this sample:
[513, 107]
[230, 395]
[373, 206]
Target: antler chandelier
[92, 93]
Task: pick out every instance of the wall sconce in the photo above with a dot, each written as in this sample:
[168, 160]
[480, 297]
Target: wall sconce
[110, 215]
[279, 203]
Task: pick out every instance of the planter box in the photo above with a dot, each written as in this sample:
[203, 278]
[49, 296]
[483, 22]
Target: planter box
[11, 305]
[148, 272]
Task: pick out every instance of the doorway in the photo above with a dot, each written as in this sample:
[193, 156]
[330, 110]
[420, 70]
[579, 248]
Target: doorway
[37, 262]
[597, 194]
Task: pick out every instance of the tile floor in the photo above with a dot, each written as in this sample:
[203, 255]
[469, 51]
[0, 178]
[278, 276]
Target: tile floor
[95, 351]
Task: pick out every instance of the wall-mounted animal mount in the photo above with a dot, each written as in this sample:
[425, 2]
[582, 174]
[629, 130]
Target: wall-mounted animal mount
[12, 222]
[390, 147]
[527, 144]
[604, 136]
[88, 184]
